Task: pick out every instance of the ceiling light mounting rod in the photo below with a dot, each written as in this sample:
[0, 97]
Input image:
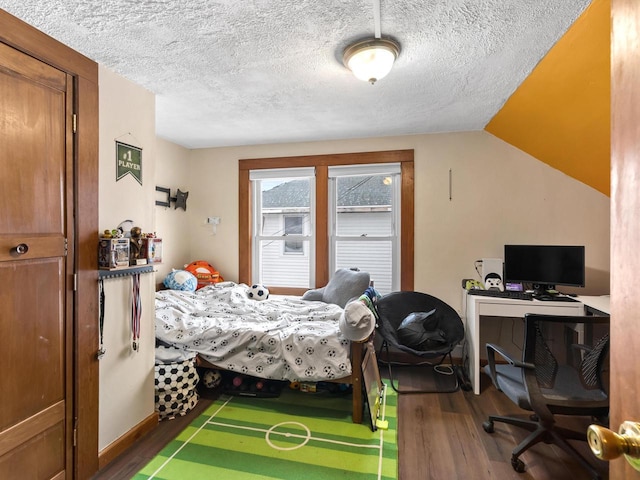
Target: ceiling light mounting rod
[376, 17]
[371, 59]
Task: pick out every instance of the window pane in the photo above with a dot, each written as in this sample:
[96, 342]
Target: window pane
[293, 225]
[285, 213]
[284, 270]
[293, 246]
[364, 205]
[374, 257]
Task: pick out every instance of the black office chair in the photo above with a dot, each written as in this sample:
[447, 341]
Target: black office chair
[564, 371]
[444, 330]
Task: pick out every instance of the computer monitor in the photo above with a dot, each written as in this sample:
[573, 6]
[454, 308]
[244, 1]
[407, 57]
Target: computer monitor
[544, 266]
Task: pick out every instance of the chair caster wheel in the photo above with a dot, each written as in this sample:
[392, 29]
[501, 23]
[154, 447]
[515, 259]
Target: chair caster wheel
[488, 426]
[517, 464]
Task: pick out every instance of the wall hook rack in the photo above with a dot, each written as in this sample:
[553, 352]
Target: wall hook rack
[125, 272]
[180, 199]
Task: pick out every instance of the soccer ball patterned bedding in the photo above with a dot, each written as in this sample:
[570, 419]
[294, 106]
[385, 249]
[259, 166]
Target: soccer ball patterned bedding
[280, 338]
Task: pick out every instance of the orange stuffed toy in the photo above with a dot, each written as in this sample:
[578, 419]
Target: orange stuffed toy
[204, 272]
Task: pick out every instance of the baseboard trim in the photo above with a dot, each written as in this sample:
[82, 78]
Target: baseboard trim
[115, 448]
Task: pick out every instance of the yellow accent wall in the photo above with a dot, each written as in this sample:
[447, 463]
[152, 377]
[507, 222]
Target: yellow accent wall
[560, 114]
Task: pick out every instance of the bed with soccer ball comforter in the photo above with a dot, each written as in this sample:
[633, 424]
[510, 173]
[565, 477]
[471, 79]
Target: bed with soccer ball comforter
[281, 338]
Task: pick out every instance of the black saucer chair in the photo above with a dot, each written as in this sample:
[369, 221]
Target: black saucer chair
[439, 330]
[564, 371]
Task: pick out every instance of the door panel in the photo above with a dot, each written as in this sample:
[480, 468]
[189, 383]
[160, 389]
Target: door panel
[32, 135]
[35, 301]
[34, 338]
[47, 447]
[35, 246]
[16, 63]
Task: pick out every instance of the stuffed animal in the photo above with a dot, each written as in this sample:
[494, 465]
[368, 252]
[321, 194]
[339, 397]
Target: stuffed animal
[345, 285]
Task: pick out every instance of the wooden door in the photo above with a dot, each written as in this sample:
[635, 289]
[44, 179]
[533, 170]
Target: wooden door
[36, 290]
[625, 221]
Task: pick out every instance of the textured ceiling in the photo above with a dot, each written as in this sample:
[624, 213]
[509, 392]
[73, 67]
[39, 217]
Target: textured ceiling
[245, 72]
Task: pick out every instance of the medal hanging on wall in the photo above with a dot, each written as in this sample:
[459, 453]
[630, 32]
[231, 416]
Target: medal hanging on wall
[136, 312]
[101, 350]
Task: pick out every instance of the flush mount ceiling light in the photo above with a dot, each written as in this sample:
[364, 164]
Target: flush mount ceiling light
[371, 59]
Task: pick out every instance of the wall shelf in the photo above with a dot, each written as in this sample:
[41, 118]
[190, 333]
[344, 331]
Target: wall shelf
[125, 272]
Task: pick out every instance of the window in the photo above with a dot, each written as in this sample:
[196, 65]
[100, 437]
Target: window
[364, 219]
[301, 218]
[282, 240]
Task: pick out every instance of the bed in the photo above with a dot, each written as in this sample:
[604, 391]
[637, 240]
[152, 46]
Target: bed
[281, 338]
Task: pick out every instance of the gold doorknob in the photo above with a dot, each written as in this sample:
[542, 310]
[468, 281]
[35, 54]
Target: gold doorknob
[608, 445]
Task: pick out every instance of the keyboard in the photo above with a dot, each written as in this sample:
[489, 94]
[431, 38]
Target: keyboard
[499, 294]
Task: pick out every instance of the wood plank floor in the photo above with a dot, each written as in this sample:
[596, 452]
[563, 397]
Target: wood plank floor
[440, 436]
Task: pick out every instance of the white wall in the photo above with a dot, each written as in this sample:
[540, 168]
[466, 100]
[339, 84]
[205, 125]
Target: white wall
[127, 114]
[499, 195]
[172, 225]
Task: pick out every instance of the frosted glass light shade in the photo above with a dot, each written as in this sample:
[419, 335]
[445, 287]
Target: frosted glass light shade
[371, 60]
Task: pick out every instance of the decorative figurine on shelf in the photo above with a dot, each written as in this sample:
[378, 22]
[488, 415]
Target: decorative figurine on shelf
[135, 245]
[111, 234]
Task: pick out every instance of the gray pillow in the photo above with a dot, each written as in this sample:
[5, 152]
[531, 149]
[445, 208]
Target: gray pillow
[419, 330]
[346, 284]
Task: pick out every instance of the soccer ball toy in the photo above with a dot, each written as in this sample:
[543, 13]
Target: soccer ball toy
[258, 292]
[211, 378]
[181, 280]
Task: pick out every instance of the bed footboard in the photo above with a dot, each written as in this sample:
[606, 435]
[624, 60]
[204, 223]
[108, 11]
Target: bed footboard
[357, 349]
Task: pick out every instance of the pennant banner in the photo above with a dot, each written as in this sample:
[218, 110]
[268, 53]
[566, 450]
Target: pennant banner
[128, 160]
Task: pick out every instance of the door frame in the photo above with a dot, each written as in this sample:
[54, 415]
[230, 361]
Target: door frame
[84, 71]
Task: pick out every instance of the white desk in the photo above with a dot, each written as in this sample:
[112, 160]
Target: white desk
[598, 305]
[476, 306]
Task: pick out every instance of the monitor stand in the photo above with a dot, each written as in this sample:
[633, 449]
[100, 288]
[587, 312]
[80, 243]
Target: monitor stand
[541, 291]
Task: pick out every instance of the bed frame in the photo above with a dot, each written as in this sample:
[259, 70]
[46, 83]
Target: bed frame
[355, 379]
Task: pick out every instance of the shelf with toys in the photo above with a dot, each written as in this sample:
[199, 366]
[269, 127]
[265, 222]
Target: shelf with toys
[123, 248]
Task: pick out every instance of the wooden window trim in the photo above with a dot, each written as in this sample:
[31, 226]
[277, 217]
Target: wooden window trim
[322, 163]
